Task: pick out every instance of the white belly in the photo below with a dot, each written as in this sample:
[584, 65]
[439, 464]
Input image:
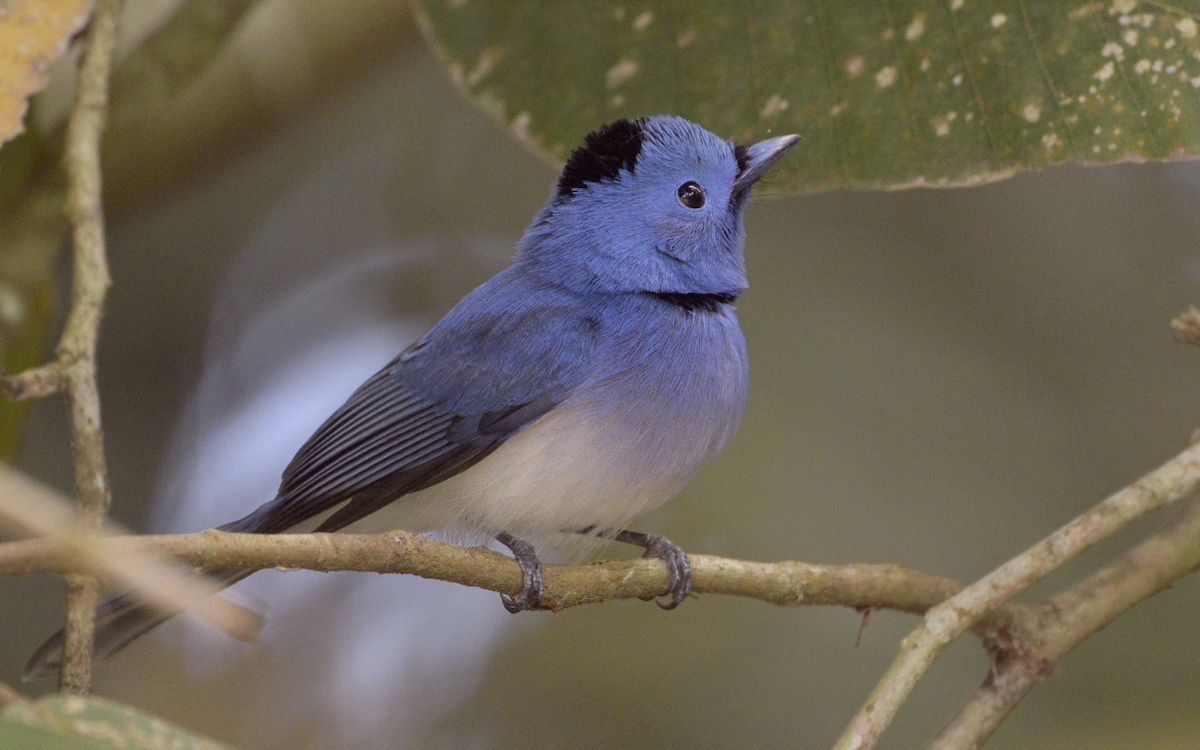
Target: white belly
[618, 447]
[566, 472]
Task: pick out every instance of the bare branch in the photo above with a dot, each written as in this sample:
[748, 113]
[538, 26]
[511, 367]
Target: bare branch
[38, 382]
[77, 348]
[1025, 641]
[781, 583]
[1070, 617]
[945, 622]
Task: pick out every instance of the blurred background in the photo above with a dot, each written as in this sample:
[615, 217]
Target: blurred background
[939, 379]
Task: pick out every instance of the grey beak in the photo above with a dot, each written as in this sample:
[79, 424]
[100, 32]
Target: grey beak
[760, 157]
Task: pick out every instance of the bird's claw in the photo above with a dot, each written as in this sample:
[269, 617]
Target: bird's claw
[679, 565]
[679, 570]
[531, 592]
[532, 587]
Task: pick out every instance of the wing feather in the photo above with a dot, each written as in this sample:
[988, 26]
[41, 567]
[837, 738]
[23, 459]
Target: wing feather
[506, 355]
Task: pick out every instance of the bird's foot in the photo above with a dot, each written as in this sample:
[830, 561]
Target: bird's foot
[531, 573]
[679, 566]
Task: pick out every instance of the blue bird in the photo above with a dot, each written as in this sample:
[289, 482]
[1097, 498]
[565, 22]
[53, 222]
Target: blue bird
[575, 391]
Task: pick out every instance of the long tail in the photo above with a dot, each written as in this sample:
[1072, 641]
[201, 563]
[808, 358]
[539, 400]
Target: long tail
[120, 619]
[124, 617]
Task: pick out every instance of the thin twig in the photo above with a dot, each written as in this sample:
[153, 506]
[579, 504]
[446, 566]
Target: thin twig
[77, 348]
[37, 382]
[945, 622]
[1068, 618]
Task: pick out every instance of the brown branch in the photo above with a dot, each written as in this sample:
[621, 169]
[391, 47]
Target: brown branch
[945, 622]
[1073, 615]
[781, 583]
[74, 372]
[38, 382]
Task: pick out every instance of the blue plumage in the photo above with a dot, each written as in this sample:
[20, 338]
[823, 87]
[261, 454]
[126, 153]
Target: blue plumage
[633, 234]
[576, 390]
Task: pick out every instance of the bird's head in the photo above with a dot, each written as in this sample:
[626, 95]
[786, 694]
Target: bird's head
[650, 205]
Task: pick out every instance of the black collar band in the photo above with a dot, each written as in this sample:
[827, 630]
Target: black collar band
[693, 302]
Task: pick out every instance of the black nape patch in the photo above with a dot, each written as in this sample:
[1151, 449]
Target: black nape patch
[697, 301]
[743, 158]
[604, 153]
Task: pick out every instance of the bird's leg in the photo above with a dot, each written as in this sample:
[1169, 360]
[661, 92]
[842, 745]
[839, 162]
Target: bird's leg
[531, 570]
[679, 567]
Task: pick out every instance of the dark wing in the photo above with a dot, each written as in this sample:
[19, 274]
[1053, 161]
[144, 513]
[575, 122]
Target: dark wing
[506, 355]
[383, 443]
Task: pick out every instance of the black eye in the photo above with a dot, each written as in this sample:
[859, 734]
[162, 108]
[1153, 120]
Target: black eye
[690, 195]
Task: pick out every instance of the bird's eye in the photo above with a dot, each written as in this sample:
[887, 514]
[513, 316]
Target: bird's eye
[690, 195]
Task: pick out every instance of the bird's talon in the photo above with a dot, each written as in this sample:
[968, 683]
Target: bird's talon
[531, 576]
[522, 602]
[679, 566]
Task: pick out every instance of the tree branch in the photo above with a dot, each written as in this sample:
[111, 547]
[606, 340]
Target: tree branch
[945, 622]
[38, 382]
[1073, 615]
[1025, 642]
[781, 583]
[75, 369]
[77, 349]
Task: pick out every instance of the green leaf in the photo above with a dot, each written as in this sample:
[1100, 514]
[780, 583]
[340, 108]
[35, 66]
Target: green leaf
[15, 736]
[886, 94]
[71, 722]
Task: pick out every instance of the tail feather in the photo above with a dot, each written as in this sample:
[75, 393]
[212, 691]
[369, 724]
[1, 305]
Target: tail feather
[120, 619]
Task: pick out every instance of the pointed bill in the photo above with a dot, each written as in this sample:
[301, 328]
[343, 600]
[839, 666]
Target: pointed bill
[760, 157]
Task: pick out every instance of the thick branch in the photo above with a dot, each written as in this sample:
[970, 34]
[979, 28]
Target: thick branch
[1070, 617]
[945, 622]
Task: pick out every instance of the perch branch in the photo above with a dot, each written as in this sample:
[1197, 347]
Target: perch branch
[950, 619]
[781, 583]
[1025, 641]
